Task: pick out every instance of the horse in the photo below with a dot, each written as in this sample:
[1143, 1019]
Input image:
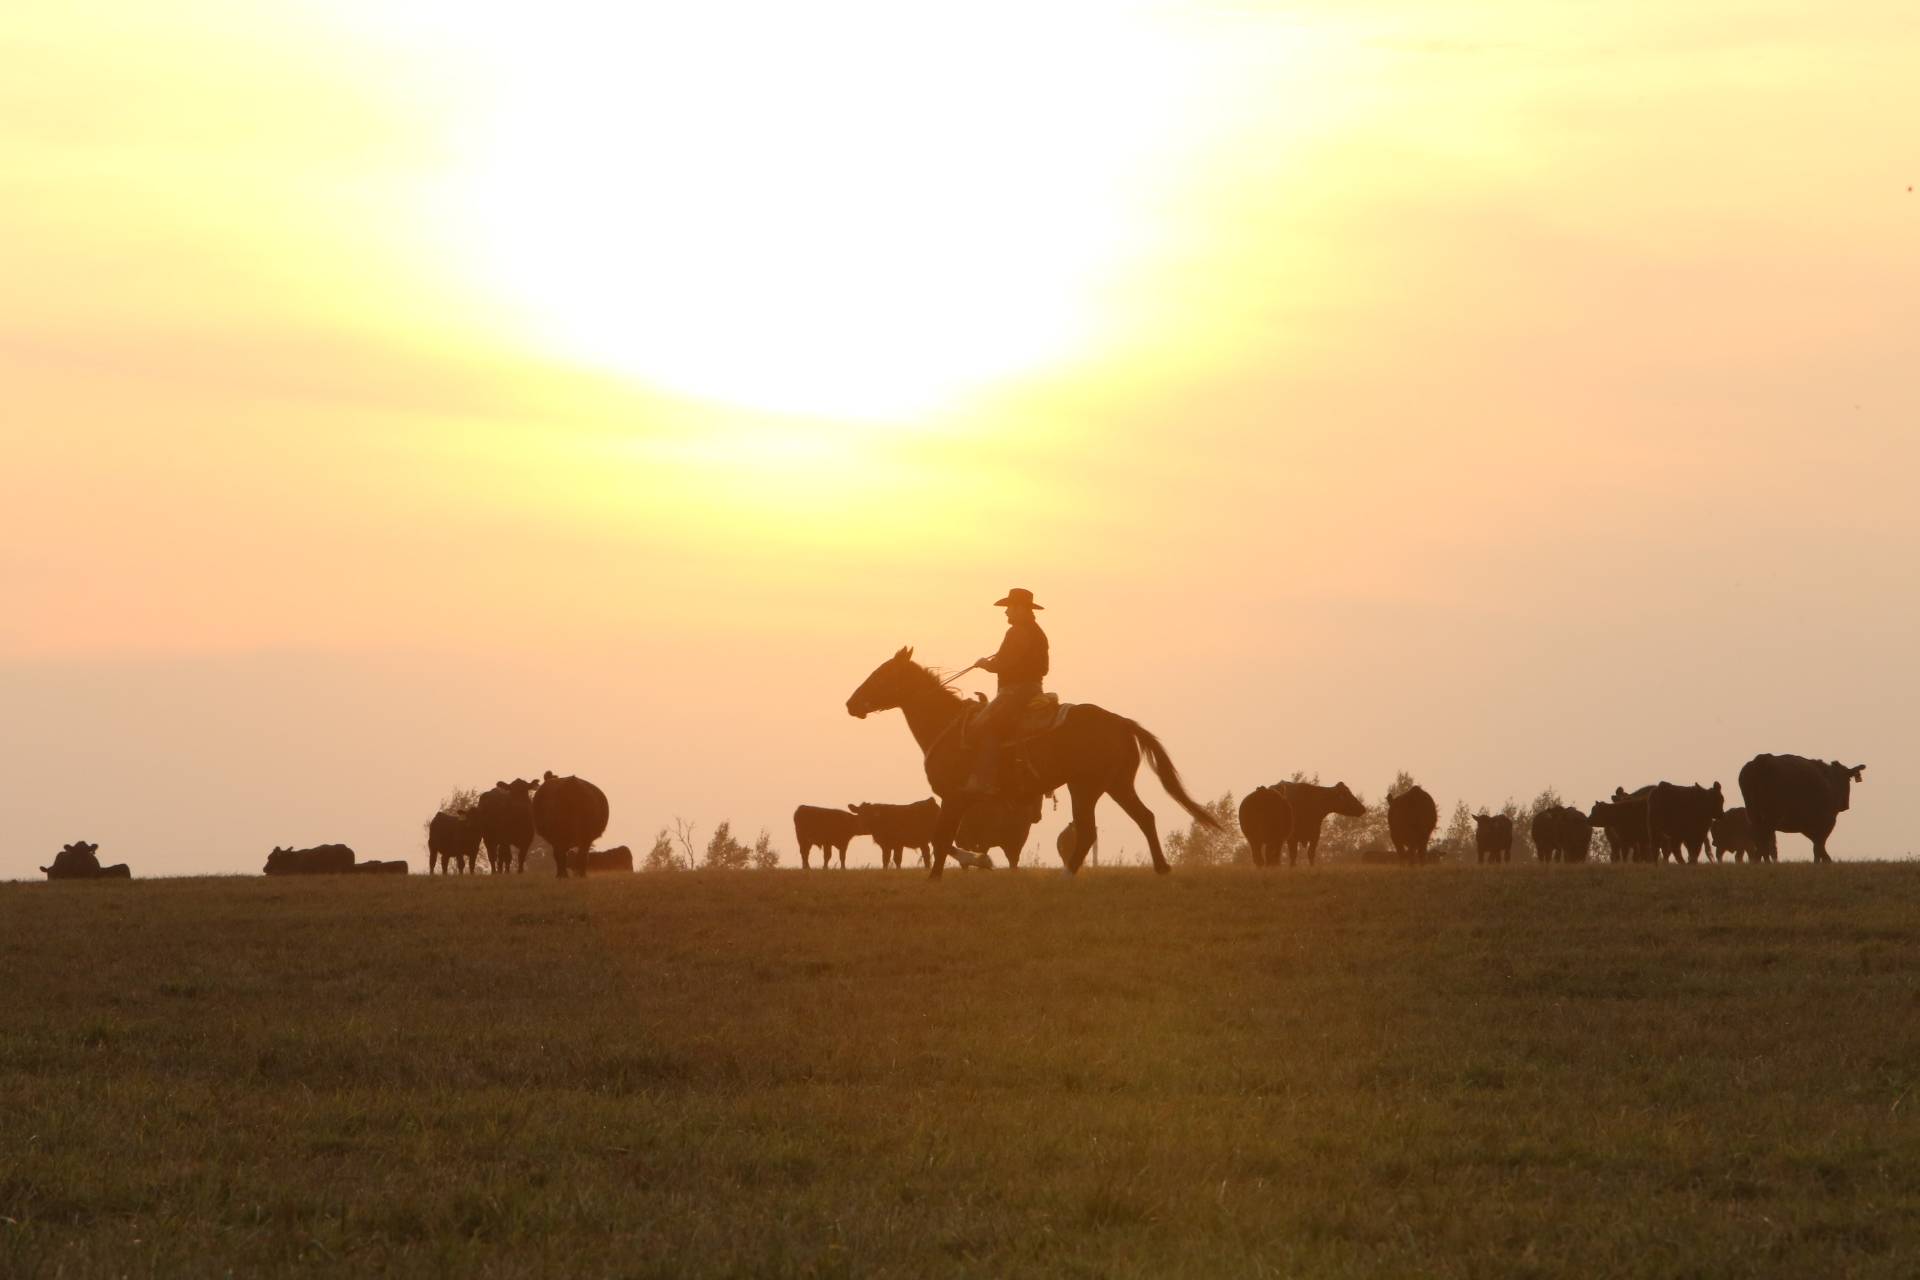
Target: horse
[1092, 753]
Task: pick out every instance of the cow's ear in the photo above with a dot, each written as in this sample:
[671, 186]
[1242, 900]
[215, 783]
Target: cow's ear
[1856, 771]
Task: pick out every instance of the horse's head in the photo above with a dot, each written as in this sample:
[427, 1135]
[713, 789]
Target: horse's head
[886, 688]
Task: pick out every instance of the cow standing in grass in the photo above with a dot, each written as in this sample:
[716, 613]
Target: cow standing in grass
[1411, 818]
[1492, 837]
[569, 813]
[995, 823]
[453, 841]
[1793, 793]
[825, 829]
[1682, 817]
[505, 817]
[1624, 819]
[1266, 821]
[1310, 804]
[898, 827]
[1733, 834]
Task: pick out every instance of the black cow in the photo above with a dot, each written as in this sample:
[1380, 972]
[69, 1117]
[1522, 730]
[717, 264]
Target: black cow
[505, 815]
[825, 829]
[898, 827]
[1793, 793]
[393, 868]
[453, 840]
[994, 823]
[1311, 803]
[81, 861]
[1680, 818]
[321, 860]
[1733, 834]
[1492, 837]
[1561, 833]
[569, 813]
[1411, 818]
[1266, 820]
[618, 858]
[1624, 819]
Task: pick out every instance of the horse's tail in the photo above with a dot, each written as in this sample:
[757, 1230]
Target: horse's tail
[1162, 765]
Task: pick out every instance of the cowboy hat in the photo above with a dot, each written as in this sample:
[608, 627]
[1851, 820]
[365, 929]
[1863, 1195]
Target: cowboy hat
[1019, 596]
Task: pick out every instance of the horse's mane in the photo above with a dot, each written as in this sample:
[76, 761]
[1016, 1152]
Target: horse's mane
[935, 679]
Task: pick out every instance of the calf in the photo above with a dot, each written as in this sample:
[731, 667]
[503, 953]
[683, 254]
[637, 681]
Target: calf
[453, 840]
[1492, 837]
[825, 829]
[994, 823]
[898, 827]
[1732, 833]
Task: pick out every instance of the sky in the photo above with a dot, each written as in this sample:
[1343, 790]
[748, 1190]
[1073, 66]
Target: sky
[1519, 395]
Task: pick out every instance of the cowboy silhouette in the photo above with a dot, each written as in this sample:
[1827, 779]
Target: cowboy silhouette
[1020, 664]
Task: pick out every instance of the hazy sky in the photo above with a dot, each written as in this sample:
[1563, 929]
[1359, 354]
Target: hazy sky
[1518, 394]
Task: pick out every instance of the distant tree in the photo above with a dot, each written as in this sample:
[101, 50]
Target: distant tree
[1200, 846]
[765, 856]
[683, 836]
[661, 857]
[724, 853]
[1461, 831]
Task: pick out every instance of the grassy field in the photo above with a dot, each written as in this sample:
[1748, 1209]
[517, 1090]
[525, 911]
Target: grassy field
[1592, 1071]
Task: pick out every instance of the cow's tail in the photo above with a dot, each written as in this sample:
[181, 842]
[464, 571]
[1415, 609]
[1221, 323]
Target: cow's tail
[1162, 765]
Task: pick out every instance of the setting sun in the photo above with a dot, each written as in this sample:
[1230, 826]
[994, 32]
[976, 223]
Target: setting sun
[849, 211]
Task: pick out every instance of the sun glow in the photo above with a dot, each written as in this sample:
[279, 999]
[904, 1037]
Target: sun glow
[851, 211]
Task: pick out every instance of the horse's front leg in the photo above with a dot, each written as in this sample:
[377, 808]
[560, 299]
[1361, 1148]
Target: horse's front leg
[945, 827]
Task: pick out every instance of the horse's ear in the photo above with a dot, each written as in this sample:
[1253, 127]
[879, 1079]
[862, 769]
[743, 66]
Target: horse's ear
[905, 654]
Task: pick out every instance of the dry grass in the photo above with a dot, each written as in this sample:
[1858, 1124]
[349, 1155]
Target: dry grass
[1450, 1072]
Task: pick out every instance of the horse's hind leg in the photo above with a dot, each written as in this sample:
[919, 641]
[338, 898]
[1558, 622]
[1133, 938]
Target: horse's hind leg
[1129, 799]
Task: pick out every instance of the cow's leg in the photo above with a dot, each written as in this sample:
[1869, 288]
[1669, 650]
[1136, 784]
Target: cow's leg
[1819, 833]
[806, 851]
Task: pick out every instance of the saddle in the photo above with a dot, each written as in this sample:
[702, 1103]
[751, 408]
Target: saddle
[1043, 715]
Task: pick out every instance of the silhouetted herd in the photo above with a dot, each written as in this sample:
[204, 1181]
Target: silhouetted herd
[1653, 823]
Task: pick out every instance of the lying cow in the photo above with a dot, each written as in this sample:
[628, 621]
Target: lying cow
[81, 861]
[618, 858]
[321, 860]
[899, 827]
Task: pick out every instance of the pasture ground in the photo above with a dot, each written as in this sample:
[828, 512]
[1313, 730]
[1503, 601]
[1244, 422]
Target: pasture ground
[1599, 1071]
